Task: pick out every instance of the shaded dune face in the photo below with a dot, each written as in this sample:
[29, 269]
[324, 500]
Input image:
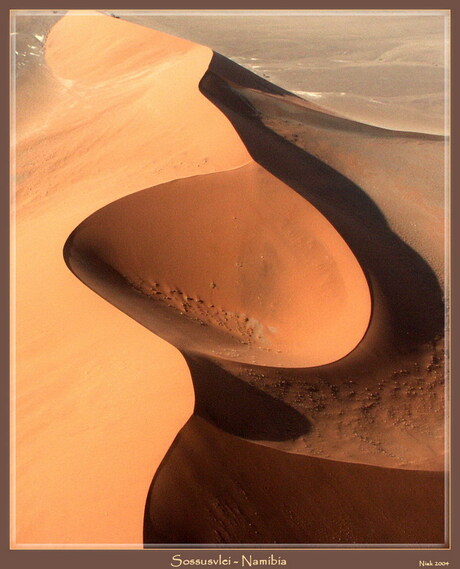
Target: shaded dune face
[233, 265]
[323, 501]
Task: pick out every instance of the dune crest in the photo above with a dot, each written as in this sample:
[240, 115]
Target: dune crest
[167, 190]
[238, 254]
[89, 147]
[129, 128]
[93, 49]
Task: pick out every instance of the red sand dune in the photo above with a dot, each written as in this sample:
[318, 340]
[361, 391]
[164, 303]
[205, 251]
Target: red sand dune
[189, 224]
[79, 442]
[259, 273]
[250, 494]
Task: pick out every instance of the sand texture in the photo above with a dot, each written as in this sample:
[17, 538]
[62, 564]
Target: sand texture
[269, 279]
[385, 71]
[251, 494]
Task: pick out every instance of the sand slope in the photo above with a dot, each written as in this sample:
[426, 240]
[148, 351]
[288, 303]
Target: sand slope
[237, 254]
[96, 402]
[99, 399]
[251, 494]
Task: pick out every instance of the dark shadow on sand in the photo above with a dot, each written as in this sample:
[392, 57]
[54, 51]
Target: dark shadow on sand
[257, 477]
[411, 290]
[216, 489]
[239, 408]
[220, 397]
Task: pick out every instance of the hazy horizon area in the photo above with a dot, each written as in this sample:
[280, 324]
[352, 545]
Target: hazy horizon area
[386, 70]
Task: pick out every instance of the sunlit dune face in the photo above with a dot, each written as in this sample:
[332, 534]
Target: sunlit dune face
[93, 48]
[233, 265]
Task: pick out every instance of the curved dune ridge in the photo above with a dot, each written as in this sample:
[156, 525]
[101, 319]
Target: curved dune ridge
[324, 502]
[253, 258]
[77, 357]
[95, 54]
[127, 121]
[250, 270]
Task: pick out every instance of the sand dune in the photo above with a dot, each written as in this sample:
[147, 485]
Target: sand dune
[309, 320]
[78, 441]
[239, 255]
[251, 494]
[387, 71]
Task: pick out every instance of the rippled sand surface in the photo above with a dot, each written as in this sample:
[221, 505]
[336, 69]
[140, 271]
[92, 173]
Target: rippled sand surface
[269, 273]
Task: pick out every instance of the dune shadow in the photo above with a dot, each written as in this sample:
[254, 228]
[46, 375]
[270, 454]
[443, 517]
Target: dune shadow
[220, 397]
[217, 489]
[240, 409]
[412, 293]
[241, 80]
[405, 291]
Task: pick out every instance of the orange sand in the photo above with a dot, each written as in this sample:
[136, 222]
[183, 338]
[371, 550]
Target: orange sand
[233, 265]
[99, 399]
[251, 494]
[257, 272]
